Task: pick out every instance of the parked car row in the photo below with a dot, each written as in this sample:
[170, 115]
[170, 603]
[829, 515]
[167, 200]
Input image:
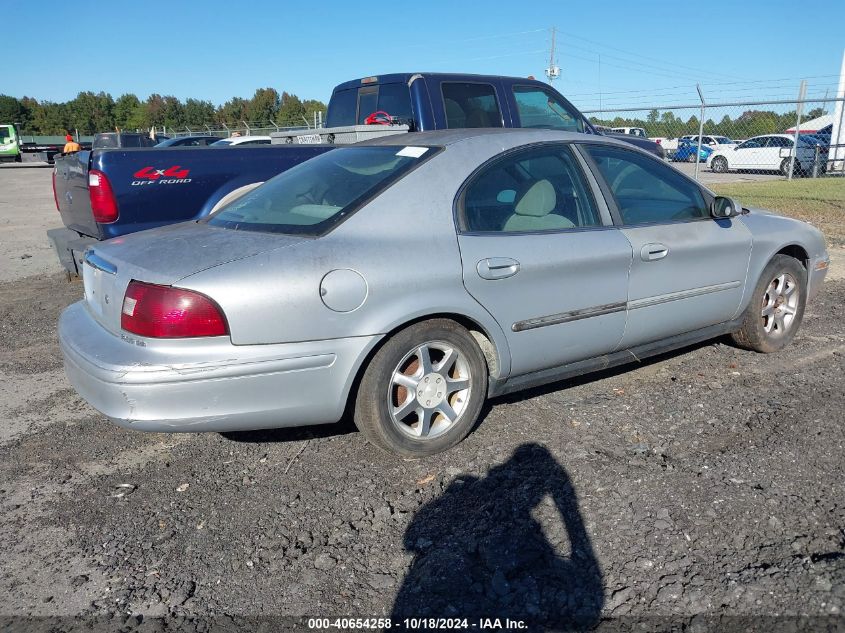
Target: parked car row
[771, 152]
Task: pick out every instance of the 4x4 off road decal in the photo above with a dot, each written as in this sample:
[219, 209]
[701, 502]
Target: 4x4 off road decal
[151, 176]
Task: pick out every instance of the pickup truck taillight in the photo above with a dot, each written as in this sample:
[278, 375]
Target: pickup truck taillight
[103, 202]
[55, 195]
[167, 312]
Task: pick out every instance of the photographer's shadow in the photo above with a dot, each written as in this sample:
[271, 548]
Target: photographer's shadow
[479, 552]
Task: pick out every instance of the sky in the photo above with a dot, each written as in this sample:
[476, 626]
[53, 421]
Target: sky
[611, 54]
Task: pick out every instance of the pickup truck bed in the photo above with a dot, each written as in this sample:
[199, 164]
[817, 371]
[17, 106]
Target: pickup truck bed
[154, 186]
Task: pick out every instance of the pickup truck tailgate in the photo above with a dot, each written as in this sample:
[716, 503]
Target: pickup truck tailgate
[71, 182]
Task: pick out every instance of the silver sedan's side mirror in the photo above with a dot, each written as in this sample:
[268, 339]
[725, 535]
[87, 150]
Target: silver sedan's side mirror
[725, 208]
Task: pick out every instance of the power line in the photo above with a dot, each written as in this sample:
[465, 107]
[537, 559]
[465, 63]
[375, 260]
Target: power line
[631, 68]
[662, 68]
[474, 59]
[622, 50]
[756, 81]
[832, 85]
[478, 39]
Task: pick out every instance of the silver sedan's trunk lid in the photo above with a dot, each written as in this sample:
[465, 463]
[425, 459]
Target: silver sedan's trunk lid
[164, 256]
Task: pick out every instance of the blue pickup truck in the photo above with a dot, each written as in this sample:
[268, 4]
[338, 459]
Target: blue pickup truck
[106, 193]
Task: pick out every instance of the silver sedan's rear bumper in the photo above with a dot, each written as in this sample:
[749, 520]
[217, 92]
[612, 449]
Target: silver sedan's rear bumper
[207, 384]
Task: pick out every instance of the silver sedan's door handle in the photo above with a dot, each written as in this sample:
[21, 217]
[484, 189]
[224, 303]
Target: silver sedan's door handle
[652, 252]
[497, 268]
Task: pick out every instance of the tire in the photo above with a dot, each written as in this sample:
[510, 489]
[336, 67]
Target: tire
[719, 165]
[784, 167]
[774, 314]
[395, 419]
[691, 157]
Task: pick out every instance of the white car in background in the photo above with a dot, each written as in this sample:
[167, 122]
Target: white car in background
[671, 144]
[241, 140]
[633, 131]
[770, 152]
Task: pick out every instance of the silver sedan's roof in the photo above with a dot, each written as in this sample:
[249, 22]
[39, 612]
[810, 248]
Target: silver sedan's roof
[508, 137]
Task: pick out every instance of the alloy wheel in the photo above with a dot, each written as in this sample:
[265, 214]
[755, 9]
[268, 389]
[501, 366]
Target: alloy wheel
[780, 305]
[429, 390]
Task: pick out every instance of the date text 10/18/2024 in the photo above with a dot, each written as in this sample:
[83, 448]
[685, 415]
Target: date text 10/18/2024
[481, 624]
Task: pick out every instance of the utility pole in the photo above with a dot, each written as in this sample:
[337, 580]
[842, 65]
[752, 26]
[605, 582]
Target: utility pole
[600, 108]
[799, 107]
[836, 156]
[553, 71]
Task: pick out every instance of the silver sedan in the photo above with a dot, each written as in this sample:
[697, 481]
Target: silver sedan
[410, 278]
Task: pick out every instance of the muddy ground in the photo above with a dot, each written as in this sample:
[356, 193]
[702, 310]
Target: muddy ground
[702, 490]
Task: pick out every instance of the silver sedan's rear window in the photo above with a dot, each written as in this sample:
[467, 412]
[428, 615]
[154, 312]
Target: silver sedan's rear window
[310, 198]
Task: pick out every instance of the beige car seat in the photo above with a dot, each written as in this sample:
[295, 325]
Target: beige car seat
[533, 211]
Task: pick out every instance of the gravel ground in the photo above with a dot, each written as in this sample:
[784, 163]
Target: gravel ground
[27, 210]
[704, 482]
[692, 492]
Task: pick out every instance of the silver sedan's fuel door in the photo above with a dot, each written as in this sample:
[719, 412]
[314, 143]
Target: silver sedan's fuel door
[538, 256]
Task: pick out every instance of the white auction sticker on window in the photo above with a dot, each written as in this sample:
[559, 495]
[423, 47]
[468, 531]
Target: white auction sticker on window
[412, 152]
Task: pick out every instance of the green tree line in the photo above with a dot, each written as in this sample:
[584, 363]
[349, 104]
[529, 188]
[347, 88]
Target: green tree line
[93, 112]
[747, 124]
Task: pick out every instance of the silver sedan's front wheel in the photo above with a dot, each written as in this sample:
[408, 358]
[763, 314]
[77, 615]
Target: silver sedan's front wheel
[776, 308]
[422, 392]
[780, 305]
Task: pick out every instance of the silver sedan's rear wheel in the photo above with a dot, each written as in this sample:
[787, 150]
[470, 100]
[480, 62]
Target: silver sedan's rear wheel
[430, 389]
[423, 390]
[776, 308]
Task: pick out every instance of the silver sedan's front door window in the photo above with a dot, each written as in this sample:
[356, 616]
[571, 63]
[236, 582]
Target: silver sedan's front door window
[539, 257]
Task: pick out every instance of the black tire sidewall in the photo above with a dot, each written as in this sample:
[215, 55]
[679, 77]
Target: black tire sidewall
[371, 413]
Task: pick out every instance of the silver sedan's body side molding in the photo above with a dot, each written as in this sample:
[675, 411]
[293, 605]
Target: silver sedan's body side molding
[610, 308]
[568, 317]
[684, 294]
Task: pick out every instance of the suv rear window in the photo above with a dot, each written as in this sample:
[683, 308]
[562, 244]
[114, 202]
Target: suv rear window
[110, 140]
[470, 105]
[541, 108]
[313, 196]
[353, 106]
[343, 108]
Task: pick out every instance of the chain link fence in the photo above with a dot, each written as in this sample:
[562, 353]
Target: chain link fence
[761, 137]
[246, 128]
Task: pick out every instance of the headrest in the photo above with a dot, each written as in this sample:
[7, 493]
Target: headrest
[538, 201]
